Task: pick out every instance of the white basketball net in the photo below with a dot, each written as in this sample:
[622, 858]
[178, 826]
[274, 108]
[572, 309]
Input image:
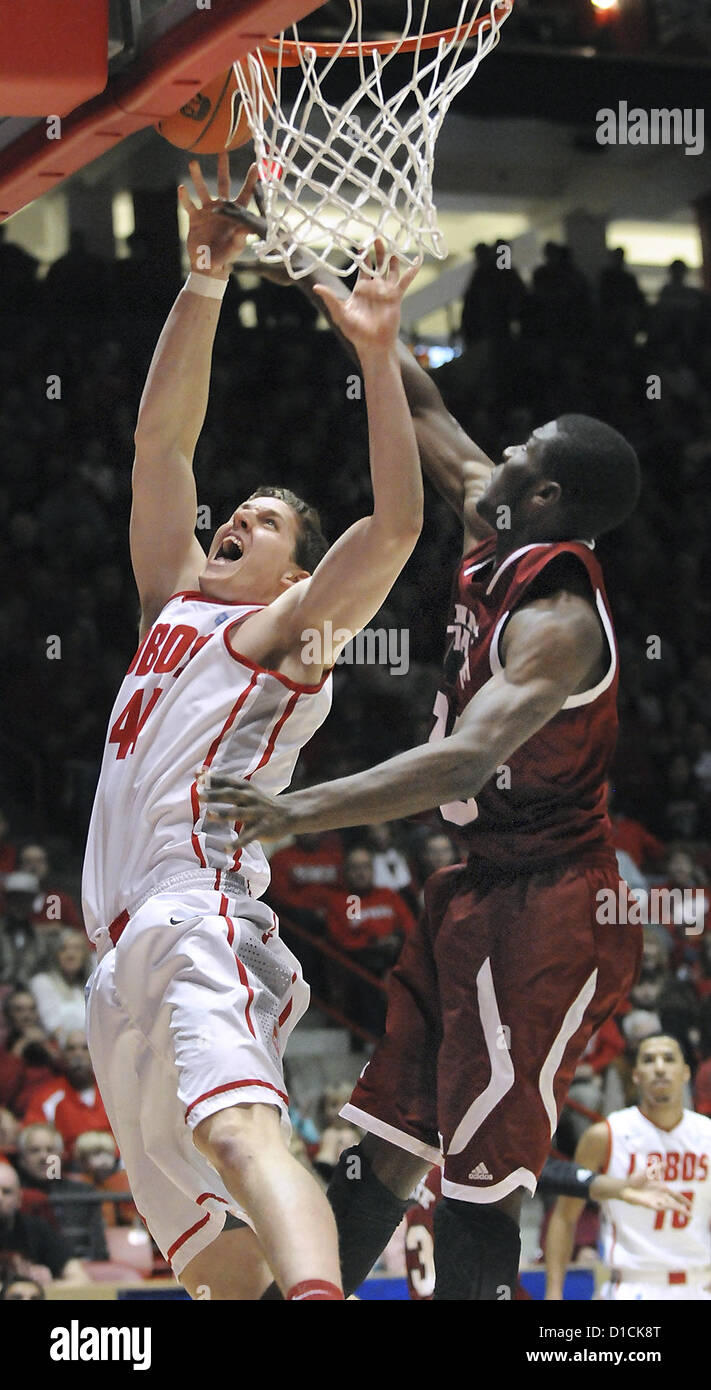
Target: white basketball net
[335, 177]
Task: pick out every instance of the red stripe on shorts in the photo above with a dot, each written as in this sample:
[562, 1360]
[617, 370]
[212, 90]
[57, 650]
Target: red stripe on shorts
[250, 993]
[285, 1013]
[235, 1086]
[230, 924]
[186, 1236]
[116, 927]
[204, 1196]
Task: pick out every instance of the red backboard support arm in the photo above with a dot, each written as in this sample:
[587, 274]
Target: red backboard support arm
[159, 83]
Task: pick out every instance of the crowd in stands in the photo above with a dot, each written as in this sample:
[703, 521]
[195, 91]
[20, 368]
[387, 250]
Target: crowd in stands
[72, 371]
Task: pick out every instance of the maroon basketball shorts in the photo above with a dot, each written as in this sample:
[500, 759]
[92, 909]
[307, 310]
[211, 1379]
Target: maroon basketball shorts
[491, 1004]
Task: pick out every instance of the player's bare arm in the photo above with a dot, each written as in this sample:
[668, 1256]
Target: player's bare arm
[552, 649]
[165, 551]
[458, 468]
[354, 578]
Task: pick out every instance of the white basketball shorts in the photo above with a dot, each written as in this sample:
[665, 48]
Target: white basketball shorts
[188, 1014]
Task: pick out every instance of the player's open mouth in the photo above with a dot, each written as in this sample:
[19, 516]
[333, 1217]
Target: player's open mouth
[231, 550]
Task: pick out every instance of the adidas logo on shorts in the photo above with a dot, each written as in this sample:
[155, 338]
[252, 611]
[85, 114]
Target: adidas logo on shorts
[480, 1174]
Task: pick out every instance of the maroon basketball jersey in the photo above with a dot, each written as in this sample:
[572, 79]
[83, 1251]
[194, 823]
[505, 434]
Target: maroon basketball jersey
[550, 800]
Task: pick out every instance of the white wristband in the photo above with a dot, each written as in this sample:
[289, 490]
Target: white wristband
[205, 285]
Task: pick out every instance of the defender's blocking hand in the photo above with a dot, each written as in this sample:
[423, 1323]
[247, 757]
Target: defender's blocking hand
[258, 815]
[370, 318]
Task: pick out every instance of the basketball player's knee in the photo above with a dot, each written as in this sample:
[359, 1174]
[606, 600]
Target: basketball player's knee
[235, 1139]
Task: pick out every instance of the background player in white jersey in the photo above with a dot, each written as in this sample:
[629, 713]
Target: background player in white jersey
[194, 994]
[662, 1255]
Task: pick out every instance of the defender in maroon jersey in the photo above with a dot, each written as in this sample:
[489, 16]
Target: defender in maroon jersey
[509, 973]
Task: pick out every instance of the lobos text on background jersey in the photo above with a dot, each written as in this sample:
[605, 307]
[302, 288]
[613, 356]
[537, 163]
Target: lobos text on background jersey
[638, 1242]
[550, 800]
[188, 704]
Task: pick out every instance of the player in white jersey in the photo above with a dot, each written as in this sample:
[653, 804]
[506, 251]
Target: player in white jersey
[194, 994]
[651, 1255]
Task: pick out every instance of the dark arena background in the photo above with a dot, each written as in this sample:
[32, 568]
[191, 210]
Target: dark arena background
[578, 279]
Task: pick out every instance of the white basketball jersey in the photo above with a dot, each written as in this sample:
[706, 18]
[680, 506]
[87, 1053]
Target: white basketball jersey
[637, 1238]
[188, 704]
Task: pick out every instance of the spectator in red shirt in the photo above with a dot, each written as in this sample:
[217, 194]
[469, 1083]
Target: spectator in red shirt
[29, 1057]
[300, 873]
[70, 1102]
[369, 925]
[302, 870]
[50, 905]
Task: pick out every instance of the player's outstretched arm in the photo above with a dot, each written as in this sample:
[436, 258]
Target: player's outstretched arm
[165, 552]
[560, 1236]
[355, 577]
[458, 468]
[550, 649]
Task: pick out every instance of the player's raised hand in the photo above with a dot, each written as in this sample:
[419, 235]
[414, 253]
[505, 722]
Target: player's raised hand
[370, 317]
[214, 242]
[258, 815]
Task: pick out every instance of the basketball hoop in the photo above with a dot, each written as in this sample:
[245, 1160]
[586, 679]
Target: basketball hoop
[347, 174]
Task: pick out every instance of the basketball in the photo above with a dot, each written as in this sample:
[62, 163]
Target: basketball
[212, 120]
